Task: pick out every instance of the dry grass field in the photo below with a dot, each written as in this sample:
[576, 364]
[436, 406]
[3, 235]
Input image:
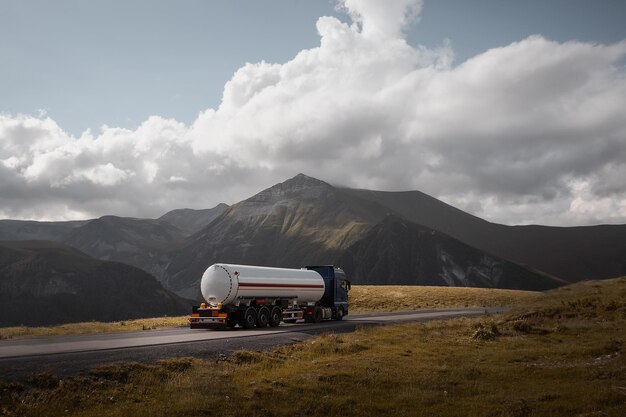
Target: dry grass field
[92, 327]
[366, 298]
[560, 353]
[363, 298]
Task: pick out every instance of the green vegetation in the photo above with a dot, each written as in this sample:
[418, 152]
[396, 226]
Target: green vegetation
[363, 298]
[560, 353]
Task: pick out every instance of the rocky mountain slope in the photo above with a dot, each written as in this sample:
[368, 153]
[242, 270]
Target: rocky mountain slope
[571, 253]
[399, 252]
[190, 221]
[43, 282]
[300, 221]
[143, 243]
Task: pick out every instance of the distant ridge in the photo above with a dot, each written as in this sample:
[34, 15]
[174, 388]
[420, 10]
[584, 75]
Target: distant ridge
[190, 221]
[34, 230]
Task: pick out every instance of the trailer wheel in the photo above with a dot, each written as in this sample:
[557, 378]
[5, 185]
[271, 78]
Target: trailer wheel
[317, 314]
[339, 314]
[263, 317]
[275, 316]
[249, 318]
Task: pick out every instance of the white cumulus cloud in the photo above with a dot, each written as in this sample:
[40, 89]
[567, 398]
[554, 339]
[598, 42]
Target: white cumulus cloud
[528, 132]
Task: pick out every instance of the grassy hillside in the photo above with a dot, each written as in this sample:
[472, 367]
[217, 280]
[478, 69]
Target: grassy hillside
[560, 354]
[363, 299]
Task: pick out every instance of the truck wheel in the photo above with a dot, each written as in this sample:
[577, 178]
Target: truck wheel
[275, 316]
[309, 318]
[317, 314]
[249, 318]
[339, 314]
[263, 317]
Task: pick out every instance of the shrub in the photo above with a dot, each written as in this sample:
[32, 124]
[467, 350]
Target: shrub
[522, 326]
[44, 380]
[332, 343]
[486, 331]
[11, 386]
[520, 408]
[176, 364]
[246, 356]
[612, 346]
[119, 372]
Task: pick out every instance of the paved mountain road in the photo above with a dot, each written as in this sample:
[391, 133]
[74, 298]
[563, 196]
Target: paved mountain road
[67, 355]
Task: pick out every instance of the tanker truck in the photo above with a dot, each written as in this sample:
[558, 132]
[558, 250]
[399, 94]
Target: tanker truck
[255, 296]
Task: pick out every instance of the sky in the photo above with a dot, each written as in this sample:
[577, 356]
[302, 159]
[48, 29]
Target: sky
[513, 111]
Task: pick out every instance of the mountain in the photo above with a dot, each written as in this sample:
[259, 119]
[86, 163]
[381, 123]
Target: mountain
[143, 243]
[300, 221]
[33, 230]
[43, 283]
[307, 221]
[399, 252]
[190, 221]
[571, 253]
[423, 209]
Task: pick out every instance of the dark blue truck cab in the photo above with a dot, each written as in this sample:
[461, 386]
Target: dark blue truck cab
[334, 302]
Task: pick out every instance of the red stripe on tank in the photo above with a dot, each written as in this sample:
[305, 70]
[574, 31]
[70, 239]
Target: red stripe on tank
[250, 284]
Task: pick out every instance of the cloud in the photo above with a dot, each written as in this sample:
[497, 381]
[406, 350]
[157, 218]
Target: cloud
[382, 19]
[528, 132]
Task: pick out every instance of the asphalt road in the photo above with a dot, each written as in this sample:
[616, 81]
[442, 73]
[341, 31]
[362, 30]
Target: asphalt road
[68, 355]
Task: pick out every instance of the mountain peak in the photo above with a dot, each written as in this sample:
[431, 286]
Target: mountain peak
[301, 186]
[303, 181]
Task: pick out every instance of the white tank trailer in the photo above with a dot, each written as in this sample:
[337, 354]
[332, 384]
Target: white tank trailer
[256, 296]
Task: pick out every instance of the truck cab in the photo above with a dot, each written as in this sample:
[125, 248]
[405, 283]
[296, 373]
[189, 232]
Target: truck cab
[336, 290]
